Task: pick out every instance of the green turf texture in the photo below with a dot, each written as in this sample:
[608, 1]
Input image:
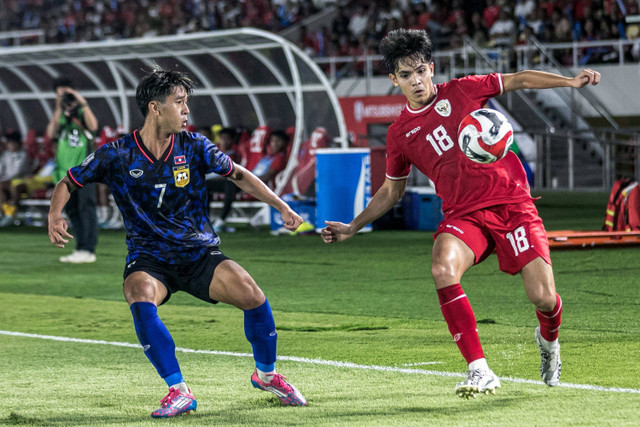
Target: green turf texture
[369, 301]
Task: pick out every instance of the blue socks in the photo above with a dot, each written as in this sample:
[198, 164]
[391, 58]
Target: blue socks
[260, 330]
[156, 341]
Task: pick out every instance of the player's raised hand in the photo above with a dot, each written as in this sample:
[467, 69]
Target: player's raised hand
[58, 234]
[587, 77]
[335, 232]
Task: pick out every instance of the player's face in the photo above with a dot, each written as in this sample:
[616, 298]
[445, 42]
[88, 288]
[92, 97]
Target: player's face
[414, 80]
[174, 112]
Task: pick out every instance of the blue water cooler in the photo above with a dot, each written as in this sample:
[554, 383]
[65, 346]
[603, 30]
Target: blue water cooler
[343, 184]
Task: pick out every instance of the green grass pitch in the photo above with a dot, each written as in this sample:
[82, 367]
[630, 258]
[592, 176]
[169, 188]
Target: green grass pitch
[360, 334]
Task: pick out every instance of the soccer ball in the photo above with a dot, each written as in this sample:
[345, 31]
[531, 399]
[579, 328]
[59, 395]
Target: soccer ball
[485, 135]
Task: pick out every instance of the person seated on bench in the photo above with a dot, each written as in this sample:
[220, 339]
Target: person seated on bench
[14, 164]
[227, 140]
[275, 160]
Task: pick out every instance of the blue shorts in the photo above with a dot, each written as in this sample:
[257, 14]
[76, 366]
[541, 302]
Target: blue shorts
[193, 278]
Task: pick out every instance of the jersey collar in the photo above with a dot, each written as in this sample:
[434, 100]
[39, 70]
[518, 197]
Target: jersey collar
[148, 153]
[426, 107]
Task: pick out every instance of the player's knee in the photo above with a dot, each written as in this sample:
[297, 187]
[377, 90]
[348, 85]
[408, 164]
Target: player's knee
[443, 273]
[253, 298]
[139, 289]
[543, 300]
[250, 295]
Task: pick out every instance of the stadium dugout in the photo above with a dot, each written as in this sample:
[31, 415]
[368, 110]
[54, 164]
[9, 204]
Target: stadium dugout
[246, 77]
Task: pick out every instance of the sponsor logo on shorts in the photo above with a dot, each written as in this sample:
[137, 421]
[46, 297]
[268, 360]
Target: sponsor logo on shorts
[455, 228]
[216, 253]
[131, 264]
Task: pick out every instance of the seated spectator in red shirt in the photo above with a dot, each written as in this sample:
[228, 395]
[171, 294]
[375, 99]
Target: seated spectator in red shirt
[275, 160]
[227, 141]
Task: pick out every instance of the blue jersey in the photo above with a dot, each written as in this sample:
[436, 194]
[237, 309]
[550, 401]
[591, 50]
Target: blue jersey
[164, 202]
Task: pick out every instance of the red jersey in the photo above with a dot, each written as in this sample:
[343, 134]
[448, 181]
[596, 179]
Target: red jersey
[427, 138]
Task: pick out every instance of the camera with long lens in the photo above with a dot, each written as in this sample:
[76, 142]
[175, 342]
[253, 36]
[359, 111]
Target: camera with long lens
[68, 98]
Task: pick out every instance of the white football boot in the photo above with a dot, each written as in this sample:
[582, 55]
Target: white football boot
[550, 360]
[478, 381]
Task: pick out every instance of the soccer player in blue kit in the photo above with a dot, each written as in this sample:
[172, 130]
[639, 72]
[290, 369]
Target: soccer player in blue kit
[157, 177]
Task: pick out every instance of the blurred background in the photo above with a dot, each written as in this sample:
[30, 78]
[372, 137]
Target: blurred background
[310, 68]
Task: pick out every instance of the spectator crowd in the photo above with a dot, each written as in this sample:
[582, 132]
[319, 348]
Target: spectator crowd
[91, 20]
[355, 29]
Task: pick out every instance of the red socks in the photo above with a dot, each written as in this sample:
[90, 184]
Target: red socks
[459, 316]
[550, 321]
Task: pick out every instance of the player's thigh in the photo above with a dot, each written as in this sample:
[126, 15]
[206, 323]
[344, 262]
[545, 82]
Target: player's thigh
[459, 244]
[519, 236]
[140, 286]
[233, 285]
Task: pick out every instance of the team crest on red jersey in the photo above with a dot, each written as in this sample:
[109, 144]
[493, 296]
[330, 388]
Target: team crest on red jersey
[443, 107]
[181, 175]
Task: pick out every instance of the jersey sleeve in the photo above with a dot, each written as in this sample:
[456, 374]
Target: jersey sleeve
[482, 87]
[216, 160]
[93, 168]
[398, 166]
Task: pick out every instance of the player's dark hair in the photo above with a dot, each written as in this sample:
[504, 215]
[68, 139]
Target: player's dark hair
[158, 84]
[401, 45]
[62, 81]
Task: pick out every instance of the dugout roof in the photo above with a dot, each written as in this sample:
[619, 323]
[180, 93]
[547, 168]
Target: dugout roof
[246, 77]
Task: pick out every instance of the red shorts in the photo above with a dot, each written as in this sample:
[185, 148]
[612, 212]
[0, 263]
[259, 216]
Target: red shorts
[515, 231]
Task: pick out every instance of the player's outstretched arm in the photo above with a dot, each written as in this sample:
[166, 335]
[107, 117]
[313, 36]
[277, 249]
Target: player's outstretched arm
[251, 184]
[58, 234]
[532, 79]
[384, 199]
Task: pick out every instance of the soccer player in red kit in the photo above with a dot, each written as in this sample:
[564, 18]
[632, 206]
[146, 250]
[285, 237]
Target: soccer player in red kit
[486, 206]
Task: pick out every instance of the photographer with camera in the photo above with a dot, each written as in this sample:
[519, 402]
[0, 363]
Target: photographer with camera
[74, 124]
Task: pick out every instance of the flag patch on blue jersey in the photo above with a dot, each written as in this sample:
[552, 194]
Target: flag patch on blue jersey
[181, 175]
[179, 160]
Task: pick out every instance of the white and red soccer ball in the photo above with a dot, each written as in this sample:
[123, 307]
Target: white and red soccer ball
[485, 135]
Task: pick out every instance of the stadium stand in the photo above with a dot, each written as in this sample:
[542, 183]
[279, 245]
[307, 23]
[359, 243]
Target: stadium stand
[351, 28]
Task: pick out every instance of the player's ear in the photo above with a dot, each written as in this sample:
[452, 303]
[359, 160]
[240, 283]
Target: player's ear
[394, 80]
[154, 108]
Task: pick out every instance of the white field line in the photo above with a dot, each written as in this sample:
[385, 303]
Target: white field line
[333, 363]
